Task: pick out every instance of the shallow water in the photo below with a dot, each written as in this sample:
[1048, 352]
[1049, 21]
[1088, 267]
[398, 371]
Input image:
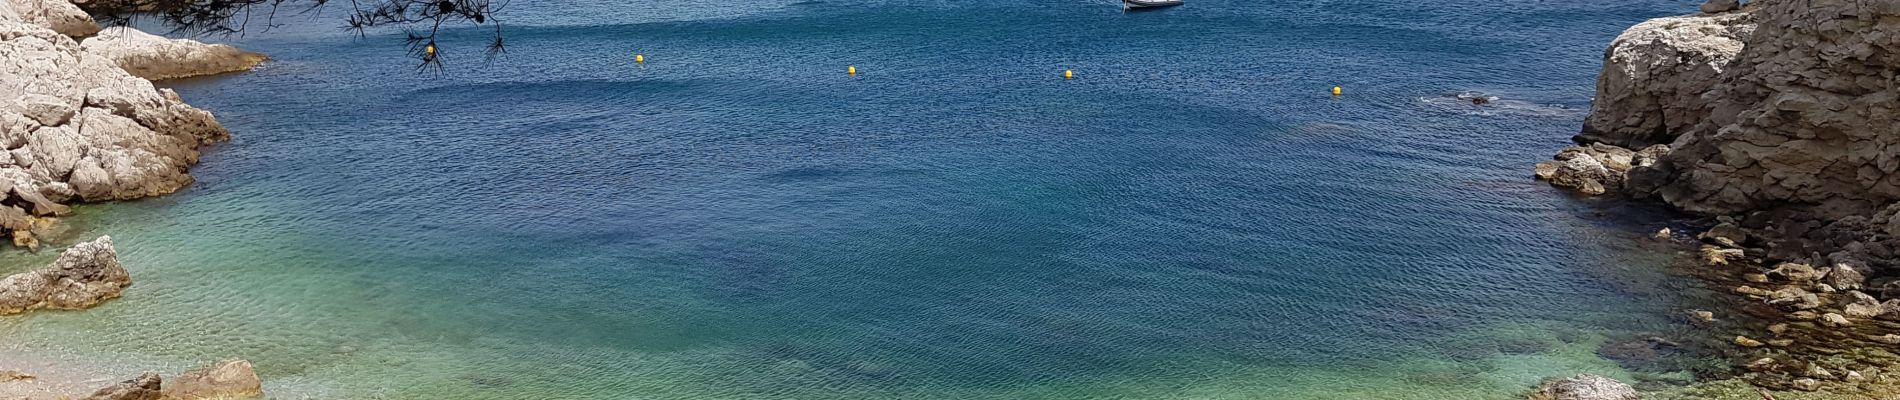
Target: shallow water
[1194, 216]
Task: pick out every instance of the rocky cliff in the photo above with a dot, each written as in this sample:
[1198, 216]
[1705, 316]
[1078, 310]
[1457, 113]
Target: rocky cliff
[1780, 121]
[1787, 107]
[1655, 74]
[76, 126]
[1804, 116]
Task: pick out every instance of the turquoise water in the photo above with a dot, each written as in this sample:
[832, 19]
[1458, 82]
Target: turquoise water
[1193, 216]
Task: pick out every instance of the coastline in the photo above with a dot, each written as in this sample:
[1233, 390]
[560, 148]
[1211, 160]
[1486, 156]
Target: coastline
[68, 371]
[1764, 120]
[64, 72]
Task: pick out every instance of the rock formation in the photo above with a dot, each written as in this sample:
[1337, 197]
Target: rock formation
[77, 127]
[153, 57]
[1807, 112]
[1781, 122]
[59, 15]
[228, 379]
[144, 387]
[1785, 114]
[1655, 74]
[83, 276]
[1596, 168]
[1720, 6]
[232, 378]
[1793, 131]
[1583, 387]
[1789, 106]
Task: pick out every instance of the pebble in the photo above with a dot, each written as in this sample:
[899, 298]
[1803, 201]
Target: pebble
[1815, 371]
[1761, 364]
[1751, 291]
[1702, 315]
[1832, 320]
[1807, 384]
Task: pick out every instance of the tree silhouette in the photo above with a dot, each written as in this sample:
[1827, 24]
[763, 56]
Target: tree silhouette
[421, 20]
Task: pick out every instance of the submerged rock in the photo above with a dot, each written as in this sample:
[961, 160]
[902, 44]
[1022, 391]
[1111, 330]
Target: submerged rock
[155, 57]
[1702, 316]
[228, 379]
[1644, 353]
[83, 276]
[1583, 387]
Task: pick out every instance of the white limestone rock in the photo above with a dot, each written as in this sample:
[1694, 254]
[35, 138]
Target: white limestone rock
[155, 57]
[1654, 76]
[59, 15]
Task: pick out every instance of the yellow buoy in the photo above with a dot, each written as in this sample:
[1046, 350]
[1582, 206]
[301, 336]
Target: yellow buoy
[853, 70]
[1336, 90]
[429, 50]
[1068, 74]
[639, 58]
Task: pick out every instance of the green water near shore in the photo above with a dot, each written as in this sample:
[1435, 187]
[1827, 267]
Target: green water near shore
[316, 335]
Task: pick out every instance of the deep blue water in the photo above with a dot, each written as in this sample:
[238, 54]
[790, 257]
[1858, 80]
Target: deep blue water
[1193, 216]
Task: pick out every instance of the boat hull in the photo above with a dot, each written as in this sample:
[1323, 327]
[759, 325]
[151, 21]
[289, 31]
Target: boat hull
[1150, 3]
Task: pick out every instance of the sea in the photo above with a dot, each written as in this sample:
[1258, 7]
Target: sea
[1192, 215]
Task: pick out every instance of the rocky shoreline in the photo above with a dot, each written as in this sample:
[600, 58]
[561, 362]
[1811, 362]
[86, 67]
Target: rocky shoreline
[1774, 120]
[84, 123]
